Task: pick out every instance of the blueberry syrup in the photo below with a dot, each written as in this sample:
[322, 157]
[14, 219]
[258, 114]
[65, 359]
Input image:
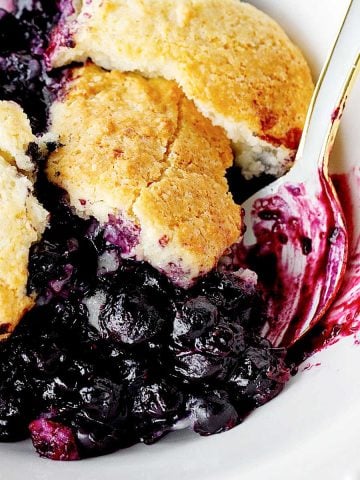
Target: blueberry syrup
[343, 319]
[123, 233]
[290, 225]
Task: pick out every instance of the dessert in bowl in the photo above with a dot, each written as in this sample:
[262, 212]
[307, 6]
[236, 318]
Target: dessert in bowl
[133, 333]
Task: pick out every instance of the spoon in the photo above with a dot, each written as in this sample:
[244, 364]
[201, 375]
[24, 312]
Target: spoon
[296, 235]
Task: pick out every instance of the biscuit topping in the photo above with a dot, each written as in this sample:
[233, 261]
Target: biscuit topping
[233, 61]
[138, 156]
[22, 218]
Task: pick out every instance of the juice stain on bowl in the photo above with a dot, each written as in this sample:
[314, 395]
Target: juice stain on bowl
[292, 229]
[343, 318]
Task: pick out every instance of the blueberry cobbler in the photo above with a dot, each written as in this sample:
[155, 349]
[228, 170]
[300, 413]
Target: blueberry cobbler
[125, 153]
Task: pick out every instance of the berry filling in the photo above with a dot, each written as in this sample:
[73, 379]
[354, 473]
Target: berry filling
[114, 353]
[53, 440]
[112, 356]
[23, 39]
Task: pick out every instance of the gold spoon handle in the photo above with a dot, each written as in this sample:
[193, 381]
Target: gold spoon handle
[331, 91]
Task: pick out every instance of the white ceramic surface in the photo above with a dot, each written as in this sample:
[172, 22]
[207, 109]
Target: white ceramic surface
[312, 430]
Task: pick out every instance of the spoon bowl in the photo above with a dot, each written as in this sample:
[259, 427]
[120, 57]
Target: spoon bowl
[296, 235]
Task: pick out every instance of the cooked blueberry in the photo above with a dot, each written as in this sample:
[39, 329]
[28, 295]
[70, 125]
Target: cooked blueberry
[156, 400]
[125, 366]
[45, 359]
[20, 81]
[224, 340]
[134, 276]
[228, 291]
[130, 318]
[58, 393]
[23, 38]
[11, 36]
[103, 399]
[133, 370]
[60, 267]
[156, 406]
[67, 316]
[96, 438]
[193, 366]
[49, 263]
[260, 375]
[152, 283]
[80, 370]
[212, 413]
[53, 325]
[193, 318]
[63, 390]
[13, 416]
[53, 440]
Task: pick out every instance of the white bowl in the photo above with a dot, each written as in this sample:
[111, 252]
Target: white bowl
[312, 429]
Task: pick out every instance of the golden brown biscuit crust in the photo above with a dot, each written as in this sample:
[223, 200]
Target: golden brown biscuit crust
[232, 60]
[127, 142]
[22, 218]
[194, 214]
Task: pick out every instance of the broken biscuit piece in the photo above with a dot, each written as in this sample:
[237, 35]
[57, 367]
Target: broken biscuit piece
[22, 218]
[137, 155]
[15, 135]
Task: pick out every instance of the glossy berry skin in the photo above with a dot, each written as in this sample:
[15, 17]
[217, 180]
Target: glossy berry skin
[50, 262]
[211, 355]
[127, 367]
[260, 375]
[23, 76]
[156, 407]
[194, 367]
[96, 438]
[193, 318]
[103, 400]
[212, 412]
[227, 291]
[45, 359]
[130, 319]
[13, 416]
[62, 390]
[226, 339]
